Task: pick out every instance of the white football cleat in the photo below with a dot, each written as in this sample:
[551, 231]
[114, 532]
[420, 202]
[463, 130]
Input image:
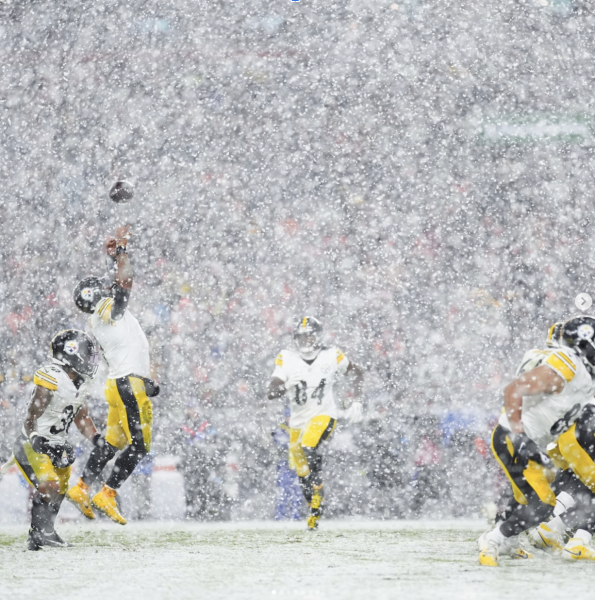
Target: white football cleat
[547, 539]
[576, 549]
[509, 547]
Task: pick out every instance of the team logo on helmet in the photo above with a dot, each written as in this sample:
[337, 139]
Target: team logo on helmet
[71, 347]
[87, 294]
[585, 332]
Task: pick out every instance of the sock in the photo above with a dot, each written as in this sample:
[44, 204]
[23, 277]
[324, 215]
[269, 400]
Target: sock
[557, 525]
[306, 487]
[97, 460]
[496, 536]
[41, 515]
[53, 510]
[584, 536]
[125, 464]
[564, 501]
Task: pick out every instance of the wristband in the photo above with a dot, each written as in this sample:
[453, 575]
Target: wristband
[121, 250]
[98, 440]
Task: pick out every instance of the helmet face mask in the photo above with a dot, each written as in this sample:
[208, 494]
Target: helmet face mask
[74, 349]
[308, 337]
[553, 337]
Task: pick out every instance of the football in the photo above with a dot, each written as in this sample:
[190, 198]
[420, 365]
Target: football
[121, 192]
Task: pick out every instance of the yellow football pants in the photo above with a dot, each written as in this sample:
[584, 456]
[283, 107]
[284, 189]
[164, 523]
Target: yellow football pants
[577, 458]
[130, 413]
[316, 431]
[525, 478]
[38, 468]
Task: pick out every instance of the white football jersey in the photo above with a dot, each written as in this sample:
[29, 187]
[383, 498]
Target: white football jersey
[540, 412]
[66, 400]
[123, 342]
[310, 390]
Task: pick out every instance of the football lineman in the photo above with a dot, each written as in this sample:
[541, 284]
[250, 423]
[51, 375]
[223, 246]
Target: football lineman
[307, 377]
[41, 452]
[128, 388]
[553, 387]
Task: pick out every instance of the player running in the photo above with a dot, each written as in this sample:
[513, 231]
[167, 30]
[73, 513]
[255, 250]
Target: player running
[128, 387]
[553, 387]
[307, 376]
[41, 452]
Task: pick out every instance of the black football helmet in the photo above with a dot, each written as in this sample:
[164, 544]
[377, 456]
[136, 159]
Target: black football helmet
[89, 292]
[75, 349]
[579, 334]
[308, 337]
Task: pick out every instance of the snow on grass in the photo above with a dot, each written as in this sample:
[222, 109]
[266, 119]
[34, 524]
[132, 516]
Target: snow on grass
[249, 560]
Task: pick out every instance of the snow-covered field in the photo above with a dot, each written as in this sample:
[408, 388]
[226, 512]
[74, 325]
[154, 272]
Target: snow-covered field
[253, 560]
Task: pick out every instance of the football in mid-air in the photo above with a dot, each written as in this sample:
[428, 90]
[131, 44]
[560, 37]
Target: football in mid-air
[121, 192]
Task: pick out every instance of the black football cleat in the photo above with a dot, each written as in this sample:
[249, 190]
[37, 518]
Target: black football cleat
[35, 540]
[53, 540]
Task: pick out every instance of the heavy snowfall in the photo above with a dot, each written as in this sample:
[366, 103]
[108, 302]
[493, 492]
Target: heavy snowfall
[416, 174]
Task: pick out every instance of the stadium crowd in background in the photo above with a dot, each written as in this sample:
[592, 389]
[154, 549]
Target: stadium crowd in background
[412, 202]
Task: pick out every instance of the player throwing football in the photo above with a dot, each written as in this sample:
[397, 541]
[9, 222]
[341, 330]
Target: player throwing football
[128, 387]
[41, 451]
[307, 377]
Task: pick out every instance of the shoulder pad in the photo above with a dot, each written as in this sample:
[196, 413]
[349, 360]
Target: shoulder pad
[46, 377]
[104, 309]
[564, 364]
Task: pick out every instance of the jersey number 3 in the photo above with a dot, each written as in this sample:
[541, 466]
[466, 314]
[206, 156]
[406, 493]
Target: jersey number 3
[301, 392]
[66, 419]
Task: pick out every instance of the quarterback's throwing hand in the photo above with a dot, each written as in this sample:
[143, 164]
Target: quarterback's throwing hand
[123, 233]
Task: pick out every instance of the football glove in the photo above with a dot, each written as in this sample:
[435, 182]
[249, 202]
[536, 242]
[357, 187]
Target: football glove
[39, 443]
[98, 440]
[61, 455]
[355, 413]
[526, 449]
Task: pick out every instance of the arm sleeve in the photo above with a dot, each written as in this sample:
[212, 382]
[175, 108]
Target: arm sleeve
[121, 298]
[342, 362]
[280, 372]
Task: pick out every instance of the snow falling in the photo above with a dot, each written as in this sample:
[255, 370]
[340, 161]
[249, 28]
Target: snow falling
[416, 174]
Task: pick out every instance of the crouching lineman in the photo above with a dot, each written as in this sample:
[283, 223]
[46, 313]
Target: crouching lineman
[575, 451]
[128, 388]
[41, 452]
[307, 377]
[552, 387]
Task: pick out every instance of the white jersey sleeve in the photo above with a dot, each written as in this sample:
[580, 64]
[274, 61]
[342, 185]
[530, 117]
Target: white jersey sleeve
[280, 371]
[342, 362]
